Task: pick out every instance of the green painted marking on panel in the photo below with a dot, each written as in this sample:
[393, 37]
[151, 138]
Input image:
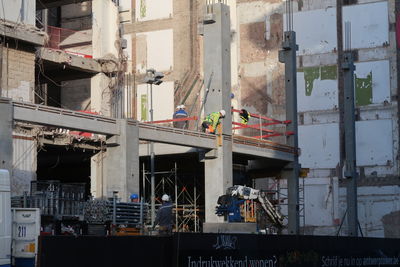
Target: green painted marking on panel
[329, 72]
[143, 107]
[310, 75]
[363, 90]
[142, 8]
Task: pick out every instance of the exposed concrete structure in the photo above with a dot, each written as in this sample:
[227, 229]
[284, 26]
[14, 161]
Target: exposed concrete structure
[121, 164]
[218, 168]
[6, 123]
[257, 81]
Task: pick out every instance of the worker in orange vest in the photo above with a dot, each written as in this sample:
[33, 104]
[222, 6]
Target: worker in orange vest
[211, 122]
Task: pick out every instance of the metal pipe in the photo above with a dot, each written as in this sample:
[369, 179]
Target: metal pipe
[176, 199]
[144, 183]
[153, 203]
[114, 215]
[195, 206]
[141, 216]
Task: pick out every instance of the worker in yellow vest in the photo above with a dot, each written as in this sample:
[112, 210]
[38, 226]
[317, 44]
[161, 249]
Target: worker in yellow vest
[211, 122]
[244, 116]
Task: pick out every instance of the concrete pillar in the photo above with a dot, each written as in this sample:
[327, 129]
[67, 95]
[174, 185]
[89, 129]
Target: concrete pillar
[6, 142]
[121, 171]
[291, 171]
[100, 94]
[217, 73]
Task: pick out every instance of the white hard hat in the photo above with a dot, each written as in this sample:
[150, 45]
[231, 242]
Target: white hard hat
[178, 107]
[183, 106]
[165, 197]
[222, 112]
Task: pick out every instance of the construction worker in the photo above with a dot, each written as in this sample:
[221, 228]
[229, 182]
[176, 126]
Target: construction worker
[180, 113]
[134, 198]
[211, 122]
[164, 216]
[244, 116]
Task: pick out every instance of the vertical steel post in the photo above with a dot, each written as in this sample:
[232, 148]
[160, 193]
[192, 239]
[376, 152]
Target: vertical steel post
[195, 206]
[144, 183]
[350, 143]
[114, 214]
[152, 181]
[288, 56]
[176, 199]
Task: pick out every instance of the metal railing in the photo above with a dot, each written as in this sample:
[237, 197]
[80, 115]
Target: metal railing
[62, 39]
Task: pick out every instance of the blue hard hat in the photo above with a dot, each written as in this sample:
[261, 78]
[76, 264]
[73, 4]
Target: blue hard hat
[134, 196]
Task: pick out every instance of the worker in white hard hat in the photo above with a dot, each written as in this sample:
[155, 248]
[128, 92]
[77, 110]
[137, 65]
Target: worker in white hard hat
[180, 113]
[211, 122]
[164, 216]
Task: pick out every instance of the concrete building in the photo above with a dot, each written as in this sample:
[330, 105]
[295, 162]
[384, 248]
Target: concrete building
[98, 53]
[257, 83]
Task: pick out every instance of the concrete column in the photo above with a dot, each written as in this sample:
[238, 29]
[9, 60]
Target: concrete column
[122, 162]
[6, 142]
[217, 73]
[291, 172]
[100, 94]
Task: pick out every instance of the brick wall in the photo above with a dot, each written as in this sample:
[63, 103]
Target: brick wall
[18, 74]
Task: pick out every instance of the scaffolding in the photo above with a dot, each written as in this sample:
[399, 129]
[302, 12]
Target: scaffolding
[184, 193]
[277, 193]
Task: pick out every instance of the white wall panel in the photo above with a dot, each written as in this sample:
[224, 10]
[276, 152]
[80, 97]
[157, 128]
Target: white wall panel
[321, 201]
[369, 24]
[153, 9]
[159, 51]
[315, 31]
[374, 142]
[373, 203]
[163, 97]
[319, 145]
[323, 95]
[380, 78]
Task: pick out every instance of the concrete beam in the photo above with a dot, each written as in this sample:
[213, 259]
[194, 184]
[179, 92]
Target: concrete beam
[57, 117]
[23, 33]
[69, 140]
[6, 143]
[164, 149]
[262, 149]
[168, 135]
[69, 60]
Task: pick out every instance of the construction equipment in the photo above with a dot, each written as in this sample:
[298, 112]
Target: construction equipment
[240, 204]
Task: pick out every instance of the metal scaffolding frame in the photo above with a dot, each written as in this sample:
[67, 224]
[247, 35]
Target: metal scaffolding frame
[279, 197]
[187, 209]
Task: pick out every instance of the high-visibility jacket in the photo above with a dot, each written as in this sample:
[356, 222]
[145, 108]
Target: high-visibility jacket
[245, 116]
[213, 119]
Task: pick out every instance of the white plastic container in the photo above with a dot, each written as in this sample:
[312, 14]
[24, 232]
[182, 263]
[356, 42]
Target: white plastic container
[5, 219]
[25, 233]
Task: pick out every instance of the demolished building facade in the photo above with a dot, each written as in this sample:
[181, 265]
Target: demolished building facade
[93, 56]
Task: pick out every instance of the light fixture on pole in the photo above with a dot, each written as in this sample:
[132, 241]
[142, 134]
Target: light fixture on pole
[152, 77]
